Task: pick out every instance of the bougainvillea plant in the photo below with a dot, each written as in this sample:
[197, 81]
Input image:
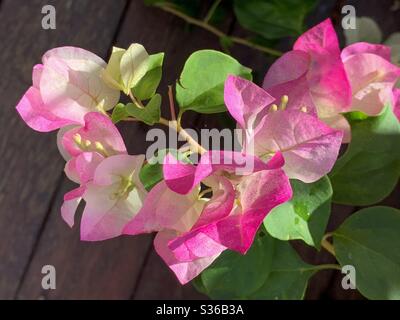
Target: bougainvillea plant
[223, 216]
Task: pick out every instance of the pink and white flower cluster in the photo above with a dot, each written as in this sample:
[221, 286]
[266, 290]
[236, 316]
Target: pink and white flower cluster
[327, 82]
[293, 129]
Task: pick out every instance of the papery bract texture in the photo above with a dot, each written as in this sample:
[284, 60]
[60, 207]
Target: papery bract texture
[98, 134]
[185, 270]
[326, 75]
[182, 177]
[33, 111]
[256, 194]
[235, 228]
[113, 197]
[71, 203]
[309, 146]
[313, 77]
[65, 87]
[166, 209]
[244, 101]
[372, 77]
[84, 148]
[364, 47]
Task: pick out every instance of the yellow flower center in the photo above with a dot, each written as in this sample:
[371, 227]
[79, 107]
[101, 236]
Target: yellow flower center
[89, 146]
[125, 187]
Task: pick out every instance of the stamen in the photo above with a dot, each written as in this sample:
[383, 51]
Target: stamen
[125, 187]
[284, 102]
[238, 203]
[274, 107]
[87, 143]
[100, 149]
[77, 139]
[304, 109]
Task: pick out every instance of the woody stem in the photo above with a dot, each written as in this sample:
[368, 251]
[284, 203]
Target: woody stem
[195, 146]
[327, 245]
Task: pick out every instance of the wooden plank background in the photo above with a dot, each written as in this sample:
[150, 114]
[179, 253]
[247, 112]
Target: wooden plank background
[32, 182]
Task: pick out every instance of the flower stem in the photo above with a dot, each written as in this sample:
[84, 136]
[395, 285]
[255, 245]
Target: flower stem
[135, 101]
[171, 103]
[327, 245]
[196, 147]
[179, 119]
[211, 12]
[217, 32]
[329, 266]
[174, 124]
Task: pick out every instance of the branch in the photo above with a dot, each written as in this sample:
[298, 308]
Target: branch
[217, 32]
[196, 147]
[211, 12]
[171, 103]
[327, 245]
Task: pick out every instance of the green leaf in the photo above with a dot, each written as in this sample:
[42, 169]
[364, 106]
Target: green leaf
[150, 175]
[367, 30]
[271, 269]
[275, 18]
[112, 73]
[305, 216]
[133, 66]
[198, 285]
[119, 113]
[201, 85]
[369, 241]
[150, 114]
[369, 170]
[147, 86]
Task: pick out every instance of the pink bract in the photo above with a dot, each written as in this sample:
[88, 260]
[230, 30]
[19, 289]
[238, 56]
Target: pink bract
[113, 197]
[372, 77]
[65, 87]
[84, 147]
[171, 215]
[185, 270]
[193, 231]
[99, 134]
[309, 147]
[257, 189]
[320, 77]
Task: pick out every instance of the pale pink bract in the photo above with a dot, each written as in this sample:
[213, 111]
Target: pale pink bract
[309, 147]
[84, 148]
[317, 74]
[65, 87]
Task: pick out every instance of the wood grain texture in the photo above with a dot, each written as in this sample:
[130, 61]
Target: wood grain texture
[32, 183]
[85, 270]
[30, 165]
